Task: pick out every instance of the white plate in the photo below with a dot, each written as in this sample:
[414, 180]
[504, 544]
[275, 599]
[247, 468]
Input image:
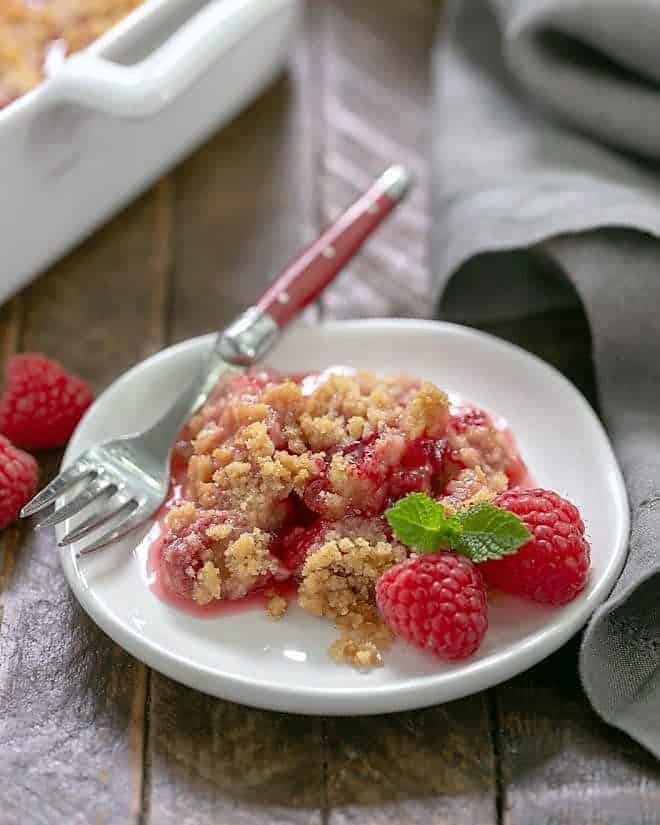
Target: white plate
[284, 665]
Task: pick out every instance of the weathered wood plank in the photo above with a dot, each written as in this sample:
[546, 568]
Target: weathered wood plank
[376, 111]
[214, 761]
[560, 763]
[429, 767]
[245, 203]
[71, 732]
[11, 318]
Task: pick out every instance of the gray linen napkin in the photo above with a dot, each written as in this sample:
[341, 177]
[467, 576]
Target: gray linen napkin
[547, 133]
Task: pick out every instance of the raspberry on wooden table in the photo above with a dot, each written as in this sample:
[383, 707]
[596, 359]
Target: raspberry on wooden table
[18, 481]
[437, 602]
[551, 568]
[41, 403]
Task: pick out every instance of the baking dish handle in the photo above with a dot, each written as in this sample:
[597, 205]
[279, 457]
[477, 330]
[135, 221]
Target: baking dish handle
[146, 87]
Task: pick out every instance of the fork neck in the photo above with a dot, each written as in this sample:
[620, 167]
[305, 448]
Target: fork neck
[242, 344]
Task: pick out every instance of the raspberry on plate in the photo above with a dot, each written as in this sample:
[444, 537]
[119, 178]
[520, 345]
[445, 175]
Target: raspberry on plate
[18, 481]
[41, 403]
[551, 568]
[437, 602]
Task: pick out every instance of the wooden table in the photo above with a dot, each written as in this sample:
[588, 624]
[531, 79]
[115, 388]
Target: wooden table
[88, 734]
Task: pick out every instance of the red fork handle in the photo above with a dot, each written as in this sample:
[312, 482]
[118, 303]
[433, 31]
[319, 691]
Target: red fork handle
[303, 280]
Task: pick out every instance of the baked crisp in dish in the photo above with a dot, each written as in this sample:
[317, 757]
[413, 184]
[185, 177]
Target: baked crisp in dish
[286, 480]
[37, 34]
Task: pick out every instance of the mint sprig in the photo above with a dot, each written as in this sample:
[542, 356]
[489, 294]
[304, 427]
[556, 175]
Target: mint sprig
[420, 522]
[480, 533]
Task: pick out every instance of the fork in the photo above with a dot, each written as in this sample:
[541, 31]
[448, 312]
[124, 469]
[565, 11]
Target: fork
[125, 481]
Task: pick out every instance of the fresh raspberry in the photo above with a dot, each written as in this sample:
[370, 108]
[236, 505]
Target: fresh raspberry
[41, 403]
[437, 602]
[551, 568]
[18, 481]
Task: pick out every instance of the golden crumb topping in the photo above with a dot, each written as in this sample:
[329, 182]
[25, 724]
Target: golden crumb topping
[362, 646]
[208, 585]
[32, 33]
[426, 413]
[473, 486]
[338, 579]
[482, 446]
[178, 518]
[248, 555]
[276, 606]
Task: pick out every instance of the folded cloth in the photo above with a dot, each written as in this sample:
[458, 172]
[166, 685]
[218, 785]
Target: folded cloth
[547, 129]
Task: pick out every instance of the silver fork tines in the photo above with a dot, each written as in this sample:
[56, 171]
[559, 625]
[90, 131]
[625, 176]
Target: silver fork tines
[124, 481]
[98, 489]
[127, 524]
[59, 485]
[92, 523]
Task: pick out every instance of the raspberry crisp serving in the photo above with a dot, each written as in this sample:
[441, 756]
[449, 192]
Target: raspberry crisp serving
[377, 502]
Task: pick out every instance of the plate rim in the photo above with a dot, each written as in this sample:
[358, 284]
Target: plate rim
[414, 692]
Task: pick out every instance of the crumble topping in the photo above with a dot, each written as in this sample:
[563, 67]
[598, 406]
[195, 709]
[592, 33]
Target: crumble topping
[34, 34]
[426, 413]
[362, 646]
[277, 606]
[481, 446]
[339, 578]
[338, 582]
[178, 518]
[287, 478]
[472, 486]
[208, 585]
[248, 555]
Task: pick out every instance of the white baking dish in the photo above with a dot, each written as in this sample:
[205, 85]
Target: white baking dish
[117, 115]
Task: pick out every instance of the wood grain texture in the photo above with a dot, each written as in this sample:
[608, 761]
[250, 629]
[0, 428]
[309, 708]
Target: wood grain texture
[71, 731]
[429, 767]
[213, 761]
[560, 763]
[11, 317]
[376, 97]
[244, 204]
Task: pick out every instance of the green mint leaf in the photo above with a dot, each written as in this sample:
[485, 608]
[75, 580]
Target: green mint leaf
[420, 522]
[489, 532]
